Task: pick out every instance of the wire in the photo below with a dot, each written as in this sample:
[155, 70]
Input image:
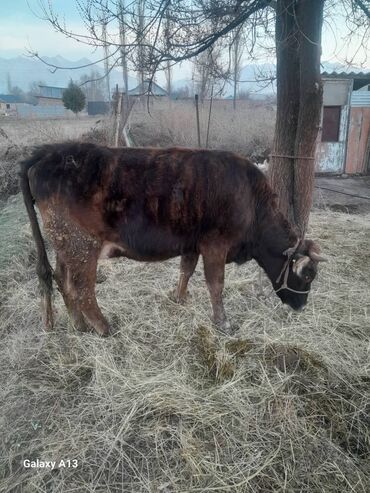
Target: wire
[344, 193]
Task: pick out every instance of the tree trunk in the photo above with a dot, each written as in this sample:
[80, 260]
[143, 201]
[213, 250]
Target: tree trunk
[287, 72]
[168, 74]
[309, 18]
[299, 99]
[236, 63]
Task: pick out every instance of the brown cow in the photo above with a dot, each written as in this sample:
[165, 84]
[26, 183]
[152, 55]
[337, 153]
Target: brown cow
[154, 204]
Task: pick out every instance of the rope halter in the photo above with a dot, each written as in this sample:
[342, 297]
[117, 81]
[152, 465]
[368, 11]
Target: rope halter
[284, 274]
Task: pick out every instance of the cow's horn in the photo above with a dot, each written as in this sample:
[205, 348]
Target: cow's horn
[317, 258]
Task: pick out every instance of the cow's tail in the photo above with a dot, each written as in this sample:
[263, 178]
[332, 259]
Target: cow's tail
[43, 267]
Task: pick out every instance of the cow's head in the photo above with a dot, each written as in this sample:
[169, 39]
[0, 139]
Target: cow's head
[298, 270]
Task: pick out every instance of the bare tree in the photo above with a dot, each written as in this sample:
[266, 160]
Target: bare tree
[209, 72]
[104, 22]
[142, 62]
[9, 84]
[167, 32]
[197, 26]
[122, 33]
[236, 58]
[92, 84]
[202, 70]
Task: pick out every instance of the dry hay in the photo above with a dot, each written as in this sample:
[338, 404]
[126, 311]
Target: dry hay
[170, 405]
[18, 136]
[172, 123]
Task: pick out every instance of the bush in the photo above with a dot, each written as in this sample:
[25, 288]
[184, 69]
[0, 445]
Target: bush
[9, 167]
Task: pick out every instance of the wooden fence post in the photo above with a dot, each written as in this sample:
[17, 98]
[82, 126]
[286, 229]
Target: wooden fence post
[197, 116]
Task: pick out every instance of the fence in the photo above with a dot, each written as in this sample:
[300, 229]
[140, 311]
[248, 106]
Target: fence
[30, 111]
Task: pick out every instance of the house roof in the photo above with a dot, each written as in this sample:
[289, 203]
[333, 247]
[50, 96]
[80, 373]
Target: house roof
[360, 79]
[9, 98]
[143, 89]
[347, 75]
[53, 87]
[51, 92]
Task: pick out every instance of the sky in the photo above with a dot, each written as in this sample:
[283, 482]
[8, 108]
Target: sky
[22, 30]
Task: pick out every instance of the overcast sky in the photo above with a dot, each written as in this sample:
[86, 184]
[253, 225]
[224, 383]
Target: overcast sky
[20, 30]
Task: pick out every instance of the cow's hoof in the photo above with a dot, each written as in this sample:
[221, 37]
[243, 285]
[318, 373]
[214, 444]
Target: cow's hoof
[175, 298]
[107, 333]
[79, 324]
[103, 330]
[225, 327]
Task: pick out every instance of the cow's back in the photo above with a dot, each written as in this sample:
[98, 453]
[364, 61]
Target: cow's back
[151, 200]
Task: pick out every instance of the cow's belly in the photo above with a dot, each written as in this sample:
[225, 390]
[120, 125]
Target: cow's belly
[112, 249]
[149, 243]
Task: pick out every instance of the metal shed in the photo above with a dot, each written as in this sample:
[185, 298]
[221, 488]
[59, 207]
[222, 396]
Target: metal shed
[50, 95]
[358, 146]
[98, 108]
[343, 145]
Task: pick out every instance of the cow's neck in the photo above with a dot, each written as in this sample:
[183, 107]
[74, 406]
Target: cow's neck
[275, 235]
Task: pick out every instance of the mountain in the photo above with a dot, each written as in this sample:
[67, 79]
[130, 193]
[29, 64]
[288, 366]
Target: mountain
[255, 73]
[251, 73]
[24, 70]
[253, 79]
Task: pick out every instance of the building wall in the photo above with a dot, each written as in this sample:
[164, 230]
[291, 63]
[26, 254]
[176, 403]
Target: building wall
[8, 109]
[49, 101]
[43, 111]
[330, 157]
[358, 141]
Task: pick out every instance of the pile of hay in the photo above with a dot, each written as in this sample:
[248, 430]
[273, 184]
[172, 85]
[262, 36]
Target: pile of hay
[170, 405]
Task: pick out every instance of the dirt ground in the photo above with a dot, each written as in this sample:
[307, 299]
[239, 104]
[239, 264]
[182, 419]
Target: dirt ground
[350, 195]
[28, 132]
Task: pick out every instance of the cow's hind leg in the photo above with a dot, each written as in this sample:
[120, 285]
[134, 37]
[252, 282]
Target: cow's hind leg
[83, 280]
[63, 277]
[188, 264]
[77, 277]
[214, 258]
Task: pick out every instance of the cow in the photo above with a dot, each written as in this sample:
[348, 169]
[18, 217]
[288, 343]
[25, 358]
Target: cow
[153, 204]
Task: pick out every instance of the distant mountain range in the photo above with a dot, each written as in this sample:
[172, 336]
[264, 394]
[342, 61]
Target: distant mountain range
[253, 78]
[25, 70]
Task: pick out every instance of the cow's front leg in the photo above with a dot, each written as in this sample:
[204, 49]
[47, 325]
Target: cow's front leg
[188, 264]
[214, 270]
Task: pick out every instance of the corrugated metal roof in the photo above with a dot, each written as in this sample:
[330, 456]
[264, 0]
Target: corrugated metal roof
[360, 98]
[9, 98]
[347, 75]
